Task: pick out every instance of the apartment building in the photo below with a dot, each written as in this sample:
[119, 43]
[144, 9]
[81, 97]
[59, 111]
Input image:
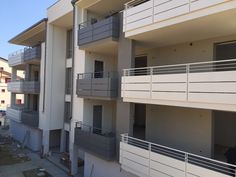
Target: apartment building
[138, 88]
[175, 65]
[41, 121]
[5, 76]
[5, 96]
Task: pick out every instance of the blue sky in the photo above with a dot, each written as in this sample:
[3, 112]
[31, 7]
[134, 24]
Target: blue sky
[16, 16]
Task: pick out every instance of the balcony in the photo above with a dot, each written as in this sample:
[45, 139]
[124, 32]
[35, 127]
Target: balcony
[107, 29]
[30, 118]
[25, 55]
[155, 20]
[102, 85]
[143, 158]
[207, 85]
[14, 113]
[16, 58]
[95, 141]
[21, 86]
[32, 54]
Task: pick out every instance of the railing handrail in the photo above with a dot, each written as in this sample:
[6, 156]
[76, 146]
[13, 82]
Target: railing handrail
[106, 74]
[18, 52]
[123, 136]
[194, 64]
[21, 51]
[133, 3]
[24, 81]
[80, 124]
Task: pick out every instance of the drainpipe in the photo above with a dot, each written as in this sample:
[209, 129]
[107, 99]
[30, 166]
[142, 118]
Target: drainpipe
[73, 2]
[73, 54]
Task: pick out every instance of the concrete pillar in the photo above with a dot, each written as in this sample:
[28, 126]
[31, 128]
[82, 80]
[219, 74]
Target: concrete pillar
[74, 158]
[46, 141]
[14, 74]
[27, 72]
[26, 101]
[63, 141]
[124, 111]
[13, 99]
[78, 103]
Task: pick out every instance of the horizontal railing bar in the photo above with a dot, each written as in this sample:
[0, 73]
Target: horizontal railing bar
[80, 124]
[177, 65]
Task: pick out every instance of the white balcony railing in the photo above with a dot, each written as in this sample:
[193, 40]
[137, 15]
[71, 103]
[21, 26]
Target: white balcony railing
[143, 158]
[139, 13]
[211, 82]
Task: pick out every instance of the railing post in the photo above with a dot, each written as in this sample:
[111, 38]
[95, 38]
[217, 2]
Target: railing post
[126, 17]
[149, 159]
[151, 74]
[187, 81]
[186, 164]
[153, 10]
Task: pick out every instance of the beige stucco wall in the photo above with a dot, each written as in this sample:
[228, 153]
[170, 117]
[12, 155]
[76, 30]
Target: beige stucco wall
[181, 128]
[196, 51]
[108, 113]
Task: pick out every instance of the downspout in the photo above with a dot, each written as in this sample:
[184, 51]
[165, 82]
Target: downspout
[45, 64]
[73, 2]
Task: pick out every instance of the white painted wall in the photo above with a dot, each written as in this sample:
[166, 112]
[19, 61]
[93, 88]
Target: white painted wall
[181, 128]
[108, 113]
[102, 168]
[110, 62]
[59, 9]
[53, 115]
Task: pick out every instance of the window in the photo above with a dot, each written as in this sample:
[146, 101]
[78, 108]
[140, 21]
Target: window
[68, 80]
[7, 80]
[69, 44]
[2, 101]
[3, 90]
[18, 101]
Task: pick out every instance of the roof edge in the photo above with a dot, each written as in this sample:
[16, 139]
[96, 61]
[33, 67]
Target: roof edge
[34, 25]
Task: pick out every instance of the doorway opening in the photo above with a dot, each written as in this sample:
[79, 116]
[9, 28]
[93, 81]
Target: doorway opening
[139, 126]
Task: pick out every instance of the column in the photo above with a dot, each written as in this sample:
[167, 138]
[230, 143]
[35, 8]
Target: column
[124, 111]
[46, 141]
[63, 141]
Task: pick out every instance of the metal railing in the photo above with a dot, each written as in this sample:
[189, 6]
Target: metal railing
[32, 53]
[134, 3]
[94, 130]
[186, 157]
[211, 66]
[96, 75]
[16, 53]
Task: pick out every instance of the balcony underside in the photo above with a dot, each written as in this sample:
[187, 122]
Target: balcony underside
[206, 90]
[197, 25]
[107, 46]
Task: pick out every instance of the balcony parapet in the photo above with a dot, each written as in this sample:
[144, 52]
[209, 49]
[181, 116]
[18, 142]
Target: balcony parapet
[23, 86]
[144, 158]
[90, 32]
[96, 141]
[212, 83]
[103, 85]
